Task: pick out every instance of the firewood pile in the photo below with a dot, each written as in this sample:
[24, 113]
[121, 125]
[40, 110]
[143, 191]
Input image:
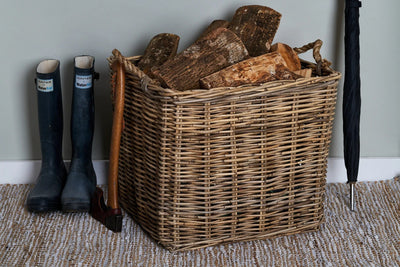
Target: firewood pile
[226, 54]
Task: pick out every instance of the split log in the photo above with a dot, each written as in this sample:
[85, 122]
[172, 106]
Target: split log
[256, 26]
[161, 48]
[305, 73]
[288, 54]
[214, 25]
[217, 50]
[264, 68]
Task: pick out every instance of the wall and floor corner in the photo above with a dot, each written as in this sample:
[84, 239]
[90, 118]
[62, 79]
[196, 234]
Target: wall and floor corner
[371, 169]
[33, 31]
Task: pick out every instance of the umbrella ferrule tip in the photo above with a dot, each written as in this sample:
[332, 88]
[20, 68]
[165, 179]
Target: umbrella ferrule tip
[352, 196]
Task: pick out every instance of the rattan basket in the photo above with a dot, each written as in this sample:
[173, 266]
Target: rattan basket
[204, 167]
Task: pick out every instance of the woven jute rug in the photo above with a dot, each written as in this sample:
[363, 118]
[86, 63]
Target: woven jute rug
[370, 236]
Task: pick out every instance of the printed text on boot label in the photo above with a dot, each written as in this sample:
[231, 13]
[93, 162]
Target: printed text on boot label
[45, 85]
[83, 81]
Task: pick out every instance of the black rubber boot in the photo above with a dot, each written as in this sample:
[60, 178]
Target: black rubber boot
[46, 194]
[81, 180]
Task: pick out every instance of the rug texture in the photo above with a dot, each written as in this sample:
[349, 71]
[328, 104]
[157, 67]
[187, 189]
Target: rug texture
[370, 236]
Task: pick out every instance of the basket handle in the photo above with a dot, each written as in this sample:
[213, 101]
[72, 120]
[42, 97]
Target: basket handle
[316, 47]
[145, 80]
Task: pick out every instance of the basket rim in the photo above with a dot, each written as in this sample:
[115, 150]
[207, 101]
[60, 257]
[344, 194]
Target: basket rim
[154, 90]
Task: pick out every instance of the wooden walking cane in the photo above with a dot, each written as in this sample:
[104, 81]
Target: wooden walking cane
[110, 215]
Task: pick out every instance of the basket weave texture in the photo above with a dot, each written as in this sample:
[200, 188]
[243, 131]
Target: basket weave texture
[203, 167]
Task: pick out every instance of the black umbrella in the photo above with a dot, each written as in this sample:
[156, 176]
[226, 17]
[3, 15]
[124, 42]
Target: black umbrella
[351, 94]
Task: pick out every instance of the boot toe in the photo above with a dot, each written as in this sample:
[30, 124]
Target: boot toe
[45, 195]
[43, 204]
[77, 193]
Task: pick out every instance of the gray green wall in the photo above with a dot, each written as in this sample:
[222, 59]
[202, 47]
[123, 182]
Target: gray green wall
[34, 30]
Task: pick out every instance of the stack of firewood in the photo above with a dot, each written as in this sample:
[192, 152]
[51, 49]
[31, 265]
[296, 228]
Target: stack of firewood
[226, 54]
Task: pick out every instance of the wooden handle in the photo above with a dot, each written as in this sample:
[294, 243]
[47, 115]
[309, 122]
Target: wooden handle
[119, 97]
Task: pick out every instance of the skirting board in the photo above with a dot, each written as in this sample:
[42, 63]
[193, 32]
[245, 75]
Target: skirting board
[370, 169]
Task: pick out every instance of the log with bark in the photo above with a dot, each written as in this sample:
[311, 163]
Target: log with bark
[261, 69]
[256, 26]
[219, 23]
[161, 48]
[215, 51]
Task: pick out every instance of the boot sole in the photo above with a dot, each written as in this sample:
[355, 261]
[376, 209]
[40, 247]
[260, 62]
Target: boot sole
[41, 206]
[75, 207]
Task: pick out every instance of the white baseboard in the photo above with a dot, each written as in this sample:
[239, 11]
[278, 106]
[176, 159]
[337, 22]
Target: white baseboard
[26, 171]
[371, 169]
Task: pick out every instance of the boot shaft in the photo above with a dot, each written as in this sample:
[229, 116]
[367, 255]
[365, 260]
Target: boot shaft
[81, 180]
[50, 110]
[82, 112]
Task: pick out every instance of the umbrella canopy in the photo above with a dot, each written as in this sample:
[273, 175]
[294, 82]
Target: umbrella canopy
[351, 92]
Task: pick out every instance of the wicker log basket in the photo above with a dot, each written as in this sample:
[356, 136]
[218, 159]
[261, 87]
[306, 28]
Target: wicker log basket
[203, 167]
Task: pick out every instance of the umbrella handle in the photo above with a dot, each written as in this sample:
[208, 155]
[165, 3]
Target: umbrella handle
[322, 64]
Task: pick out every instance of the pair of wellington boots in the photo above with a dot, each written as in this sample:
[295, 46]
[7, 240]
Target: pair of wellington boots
[56, 188]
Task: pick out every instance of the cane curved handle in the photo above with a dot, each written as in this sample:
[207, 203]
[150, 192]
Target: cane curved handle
[119, 99]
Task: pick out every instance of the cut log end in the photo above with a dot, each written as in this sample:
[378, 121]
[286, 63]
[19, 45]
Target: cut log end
[305, 73]
[288, 54]
[161, 48]
[256, 26]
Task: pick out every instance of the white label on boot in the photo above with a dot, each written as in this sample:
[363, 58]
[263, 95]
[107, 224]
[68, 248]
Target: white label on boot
[44, 85]
[83, 81]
